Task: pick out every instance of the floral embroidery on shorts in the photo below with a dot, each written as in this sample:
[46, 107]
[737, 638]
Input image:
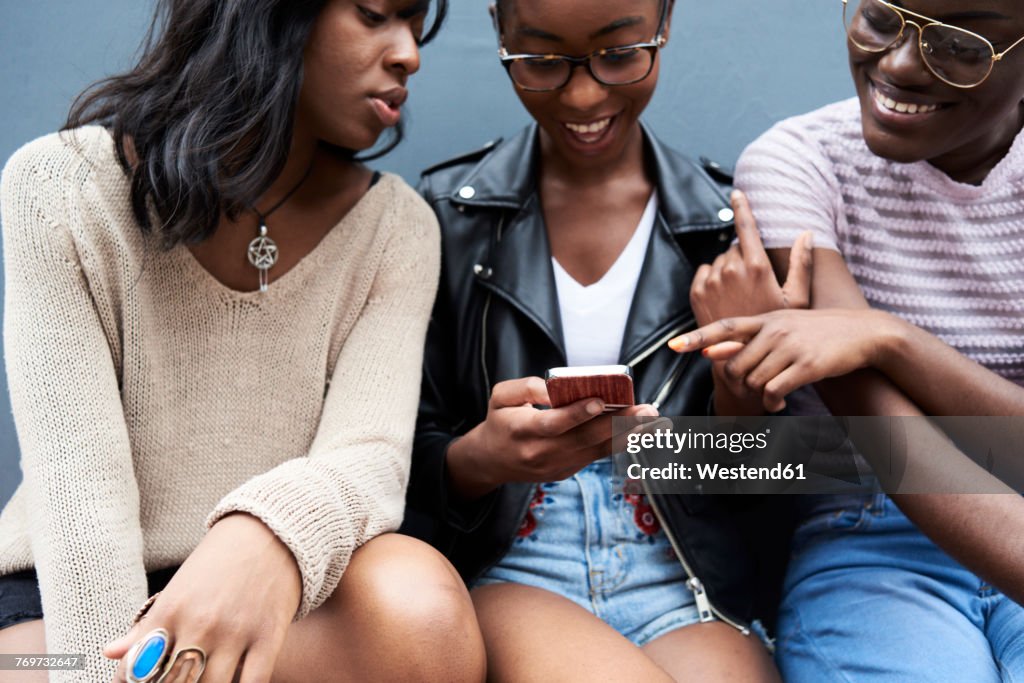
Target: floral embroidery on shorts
[643, 516]
[529, 526]
[643, 513]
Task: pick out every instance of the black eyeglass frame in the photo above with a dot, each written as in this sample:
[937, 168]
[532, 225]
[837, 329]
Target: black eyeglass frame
[652, 46]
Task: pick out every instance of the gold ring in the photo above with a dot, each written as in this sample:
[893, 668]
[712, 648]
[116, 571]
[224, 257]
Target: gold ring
[145, 608]
[195, 654]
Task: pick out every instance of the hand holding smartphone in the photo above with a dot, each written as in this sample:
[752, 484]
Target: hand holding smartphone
[613, 384]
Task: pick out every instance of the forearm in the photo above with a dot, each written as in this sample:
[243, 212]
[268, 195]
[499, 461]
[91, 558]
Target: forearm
[940, 379]
[962, 524]
[981, 531]
[937, 377]
[468, 478]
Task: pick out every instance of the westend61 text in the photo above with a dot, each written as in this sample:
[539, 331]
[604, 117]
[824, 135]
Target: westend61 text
[716, 472]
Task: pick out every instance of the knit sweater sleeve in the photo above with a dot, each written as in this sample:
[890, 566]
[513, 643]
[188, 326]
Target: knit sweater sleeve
[791, 186]
[351, 487]
[76, 458]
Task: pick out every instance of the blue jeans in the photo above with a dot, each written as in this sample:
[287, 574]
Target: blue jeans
[595, 540]
[869, 598]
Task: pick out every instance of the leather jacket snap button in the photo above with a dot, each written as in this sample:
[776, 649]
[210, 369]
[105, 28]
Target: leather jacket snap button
[726, 215]
[483, 271]
[467, 192]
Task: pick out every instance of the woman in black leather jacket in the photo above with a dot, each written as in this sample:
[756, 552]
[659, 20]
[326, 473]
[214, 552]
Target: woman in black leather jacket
[575, 243]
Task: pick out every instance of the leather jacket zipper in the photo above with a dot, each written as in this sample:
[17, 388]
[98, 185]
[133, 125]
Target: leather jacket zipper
[706, 610]
[665, 388]
[688, 324]
[483, 349]
[693, 582]
[495, 238]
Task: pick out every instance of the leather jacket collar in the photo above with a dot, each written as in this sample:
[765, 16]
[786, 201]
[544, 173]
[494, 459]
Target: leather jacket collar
[689, 201]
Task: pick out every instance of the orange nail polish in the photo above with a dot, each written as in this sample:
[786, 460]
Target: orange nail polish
[679, 343]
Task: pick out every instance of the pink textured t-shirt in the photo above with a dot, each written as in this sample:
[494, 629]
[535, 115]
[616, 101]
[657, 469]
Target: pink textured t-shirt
[943, 255]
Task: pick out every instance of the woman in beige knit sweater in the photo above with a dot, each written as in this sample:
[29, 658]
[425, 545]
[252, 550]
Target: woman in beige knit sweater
[214, 322]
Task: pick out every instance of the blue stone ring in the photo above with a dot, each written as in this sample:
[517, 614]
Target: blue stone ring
[146, 657]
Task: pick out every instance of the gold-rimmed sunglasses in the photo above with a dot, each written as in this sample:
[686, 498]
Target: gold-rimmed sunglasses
[956, 56]
[619, 65]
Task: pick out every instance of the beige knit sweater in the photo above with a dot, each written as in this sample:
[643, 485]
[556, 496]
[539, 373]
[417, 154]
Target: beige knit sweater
[150, 400]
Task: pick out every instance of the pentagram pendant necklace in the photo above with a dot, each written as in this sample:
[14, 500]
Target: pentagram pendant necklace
[263, 250]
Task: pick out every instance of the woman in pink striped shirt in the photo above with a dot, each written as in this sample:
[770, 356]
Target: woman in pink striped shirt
[914, 195]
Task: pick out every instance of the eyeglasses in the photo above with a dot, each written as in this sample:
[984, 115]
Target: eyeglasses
[622, 65]
[956, 56]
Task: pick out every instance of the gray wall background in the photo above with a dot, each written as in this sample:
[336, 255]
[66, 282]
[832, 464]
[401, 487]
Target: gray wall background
[731, 69]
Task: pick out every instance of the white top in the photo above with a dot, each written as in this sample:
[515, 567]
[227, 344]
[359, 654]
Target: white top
[151, 400]
[594, 317]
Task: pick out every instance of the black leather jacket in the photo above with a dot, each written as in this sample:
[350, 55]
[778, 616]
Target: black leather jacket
[497, 318]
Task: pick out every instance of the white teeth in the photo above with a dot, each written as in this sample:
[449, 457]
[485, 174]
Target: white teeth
[904, 107]
[588, 128]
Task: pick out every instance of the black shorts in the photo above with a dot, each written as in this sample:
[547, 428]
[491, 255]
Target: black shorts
[20, 601]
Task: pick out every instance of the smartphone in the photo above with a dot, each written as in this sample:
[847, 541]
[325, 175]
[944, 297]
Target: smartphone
[613, 384]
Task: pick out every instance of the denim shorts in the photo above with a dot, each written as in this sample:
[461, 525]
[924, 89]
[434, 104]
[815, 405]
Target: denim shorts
[597, 542]
[20, 601]
[870, 599]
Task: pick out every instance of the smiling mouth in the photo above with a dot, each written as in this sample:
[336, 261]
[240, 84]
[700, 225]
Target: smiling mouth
[904, 107]
[592, 132]
[589, 128]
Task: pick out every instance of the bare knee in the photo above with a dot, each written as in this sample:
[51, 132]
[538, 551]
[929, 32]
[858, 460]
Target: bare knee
[396, 576]
[713, 651]
[410, 597]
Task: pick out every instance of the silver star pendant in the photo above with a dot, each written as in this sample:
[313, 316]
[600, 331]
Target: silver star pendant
[263, 251]
[263, 255]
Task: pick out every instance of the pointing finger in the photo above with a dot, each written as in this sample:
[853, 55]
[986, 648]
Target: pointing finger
[726, 329]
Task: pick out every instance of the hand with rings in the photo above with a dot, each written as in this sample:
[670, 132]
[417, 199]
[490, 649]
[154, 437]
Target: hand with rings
[148, 662]
[225, 612]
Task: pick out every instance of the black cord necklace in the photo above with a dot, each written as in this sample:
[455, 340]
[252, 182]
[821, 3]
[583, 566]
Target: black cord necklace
[263, 251]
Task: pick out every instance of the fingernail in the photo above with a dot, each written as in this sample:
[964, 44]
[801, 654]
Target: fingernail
[679, 343]
[648, 411]
[735, 195]
[594, 407]
[704, 352]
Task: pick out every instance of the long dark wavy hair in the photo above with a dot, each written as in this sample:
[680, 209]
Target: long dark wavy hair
[209, 108]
